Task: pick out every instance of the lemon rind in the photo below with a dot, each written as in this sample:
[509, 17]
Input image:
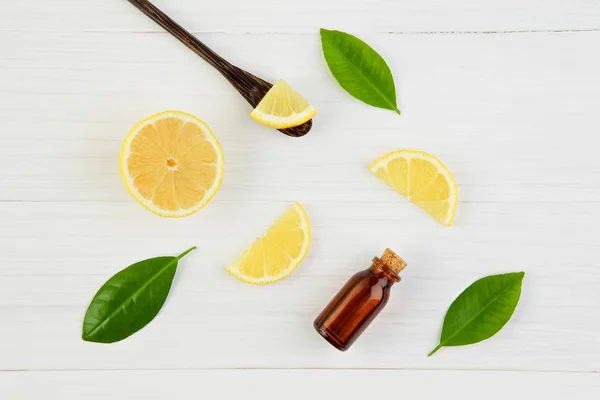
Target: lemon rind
[289, 121]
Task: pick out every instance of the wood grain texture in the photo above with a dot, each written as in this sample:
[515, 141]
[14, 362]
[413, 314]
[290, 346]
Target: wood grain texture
[297, 384]
[272, 16]
[514, 116]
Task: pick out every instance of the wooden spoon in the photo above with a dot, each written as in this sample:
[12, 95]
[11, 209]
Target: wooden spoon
[252, 88]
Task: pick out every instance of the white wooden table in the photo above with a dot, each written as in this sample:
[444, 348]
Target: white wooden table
[506, 93]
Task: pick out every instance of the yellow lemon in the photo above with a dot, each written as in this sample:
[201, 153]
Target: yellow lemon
[282, 107]
[422, 179]
[275, 255]
[172, 164]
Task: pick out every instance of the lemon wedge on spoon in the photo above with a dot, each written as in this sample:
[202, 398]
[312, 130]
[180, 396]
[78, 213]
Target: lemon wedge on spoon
[283, 107]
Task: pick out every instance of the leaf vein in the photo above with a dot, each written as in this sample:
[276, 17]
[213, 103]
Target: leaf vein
[365, 78]
[442, 343]
[130, 298]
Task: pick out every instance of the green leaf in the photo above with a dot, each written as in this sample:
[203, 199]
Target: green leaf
[481, 310]
[130, 300]
[359, 69]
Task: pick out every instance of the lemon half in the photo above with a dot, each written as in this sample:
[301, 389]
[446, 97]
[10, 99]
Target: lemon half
[172, 164]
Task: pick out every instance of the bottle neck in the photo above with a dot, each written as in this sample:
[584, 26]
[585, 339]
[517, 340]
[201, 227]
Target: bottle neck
[380, 268]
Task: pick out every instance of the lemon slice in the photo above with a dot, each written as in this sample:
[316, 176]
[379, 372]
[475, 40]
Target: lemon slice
[172, 164]
[278, 253]
[422, 179]
[282, 107]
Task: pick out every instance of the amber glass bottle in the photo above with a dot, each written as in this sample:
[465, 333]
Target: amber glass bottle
[359, 301]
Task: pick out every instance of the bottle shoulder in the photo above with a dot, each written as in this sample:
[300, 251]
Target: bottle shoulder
[373, 285]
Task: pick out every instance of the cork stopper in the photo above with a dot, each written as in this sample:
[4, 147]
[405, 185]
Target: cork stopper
[393, 261]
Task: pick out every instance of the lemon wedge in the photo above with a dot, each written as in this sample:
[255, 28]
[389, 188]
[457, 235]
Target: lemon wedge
[282, 107]
[422, 179]
[172, 164]
[278, 253]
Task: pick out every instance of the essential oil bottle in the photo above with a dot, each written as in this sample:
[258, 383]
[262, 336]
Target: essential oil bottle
[359, 301]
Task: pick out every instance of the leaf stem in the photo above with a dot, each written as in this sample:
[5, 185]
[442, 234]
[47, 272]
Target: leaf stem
[397, 111]
[185, 253]
[435, 350]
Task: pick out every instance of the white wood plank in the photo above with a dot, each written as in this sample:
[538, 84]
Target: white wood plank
[297, 384]
[513, 116]
[56, 255]
[307, 16]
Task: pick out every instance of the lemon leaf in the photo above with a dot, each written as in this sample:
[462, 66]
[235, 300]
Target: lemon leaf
[359, 69]
[481, 310]
[129, 300]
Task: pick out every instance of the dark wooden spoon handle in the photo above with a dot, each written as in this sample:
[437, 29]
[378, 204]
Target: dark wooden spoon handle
[251, 87]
